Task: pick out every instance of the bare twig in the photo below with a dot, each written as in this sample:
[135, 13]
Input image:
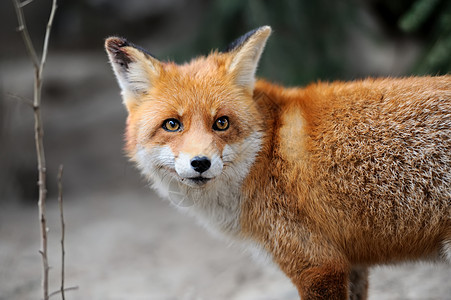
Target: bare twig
[39, 132]
[63, 227]
[47, 35]
[23, 99]
[25, 35]
[72, 288]
[25, 3]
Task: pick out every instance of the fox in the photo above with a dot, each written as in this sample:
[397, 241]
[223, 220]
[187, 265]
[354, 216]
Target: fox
[325, 180]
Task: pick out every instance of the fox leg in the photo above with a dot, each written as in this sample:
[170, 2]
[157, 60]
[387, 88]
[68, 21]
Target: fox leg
[358, 283]
[317, 283]
[446, 247]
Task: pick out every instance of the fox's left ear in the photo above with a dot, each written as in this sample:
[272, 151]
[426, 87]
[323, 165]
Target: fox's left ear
[245, 54]
[135, 69]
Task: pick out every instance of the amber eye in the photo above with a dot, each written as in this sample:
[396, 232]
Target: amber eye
[172, 125]
[221, 124]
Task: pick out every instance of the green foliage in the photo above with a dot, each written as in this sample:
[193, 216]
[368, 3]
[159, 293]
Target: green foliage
[432, 19]
[308, 41]
[419, 13]
[312, 39]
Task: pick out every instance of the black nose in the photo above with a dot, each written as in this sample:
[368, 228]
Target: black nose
[200, 164]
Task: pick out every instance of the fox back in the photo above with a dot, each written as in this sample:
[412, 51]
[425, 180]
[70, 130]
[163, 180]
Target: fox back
[327, 180]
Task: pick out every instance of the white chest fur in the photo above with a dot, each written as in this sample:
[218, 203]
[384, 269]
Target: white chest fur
[218, 207]
[217, 204]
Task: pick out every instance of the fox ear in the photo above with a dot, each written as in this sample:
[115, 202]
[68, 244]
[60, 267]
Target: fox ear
[245, 53]
[135, 69]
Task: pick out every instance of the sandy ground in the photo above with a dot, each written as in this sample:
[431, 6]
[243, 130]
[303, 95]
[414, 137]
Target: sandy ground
[135, 246]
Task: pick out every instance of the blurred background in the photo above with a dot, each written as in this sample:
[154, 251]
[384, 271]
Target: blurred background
[123, 242]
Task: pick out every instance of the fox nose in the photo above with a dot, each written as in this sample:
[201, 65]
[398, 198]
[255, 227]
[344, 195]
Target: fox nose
[200, 163]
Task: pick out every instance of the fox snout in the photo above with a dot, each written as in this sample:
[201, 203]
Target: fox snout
[200, 164]
[198, 167]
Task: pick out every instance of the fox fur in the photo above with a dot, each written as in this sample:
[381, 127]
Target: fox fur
[327, 179]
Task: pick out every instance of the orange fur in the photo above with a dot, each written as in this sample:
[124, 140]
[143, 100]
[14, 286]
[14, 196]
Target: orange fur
[328, 179]
[365, 179]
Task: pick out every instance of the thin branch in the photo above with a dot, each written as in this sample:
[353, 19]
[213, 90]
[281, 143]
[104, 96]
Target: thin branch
[47, 36]
[20, 98]
[25, 3]
[63, 228]
[72, 288]
[25, 35]
[39, 132]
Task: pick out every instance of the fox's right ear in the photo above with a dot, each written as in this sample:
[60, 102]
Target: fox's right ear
[135, 69]
[245, 54]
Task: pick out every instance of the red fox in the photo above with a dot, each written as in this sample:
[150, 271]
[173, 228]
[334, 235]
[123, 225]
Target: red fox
[326, 180]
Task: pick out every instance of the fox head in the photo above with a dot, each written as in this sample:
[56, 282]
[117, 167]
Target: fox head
[193, 123]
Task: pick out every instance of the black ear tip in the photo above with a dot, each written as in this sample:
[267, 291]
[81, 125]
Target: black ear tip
[114, 43]
[114, 46]
[242, 39]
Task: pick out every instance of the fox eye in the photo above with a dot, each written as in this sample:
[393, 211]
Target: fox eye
[221, 124]
[172, 125]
